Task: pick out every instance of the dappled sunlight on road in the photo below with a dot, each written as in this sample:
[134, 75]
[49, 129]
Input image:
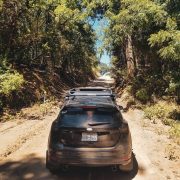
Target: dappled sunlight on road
[106, 81]
[29, 167]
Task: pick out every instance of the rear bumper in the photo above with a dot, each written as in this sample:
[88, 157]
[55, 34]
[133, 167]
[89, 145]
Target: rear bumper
[90, 156]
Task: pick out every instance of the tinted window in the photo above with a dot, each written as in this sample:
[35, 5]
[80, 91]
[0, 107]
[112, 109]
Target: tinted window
[82, 117]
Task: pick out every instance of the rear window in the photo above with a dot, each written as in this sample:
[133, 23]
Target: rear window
[78, 117]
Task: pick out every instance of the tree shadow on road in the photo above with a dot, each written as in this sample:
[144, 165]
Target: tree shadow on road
[29, 167]
[32, 167]
[97, 173]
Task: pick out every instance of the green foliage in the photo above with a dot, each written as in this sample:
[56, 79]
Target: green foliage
[173, 80]
[175, 131]
[147, 84]
[175, 114]
[142, 95]
[140, 18]
[167, 121]
[56, 29]
[154, 30]
[168, 43]
[1, 3]
[168, 114]
[10, 82]
[156, 111]
[162, 111]
[173, 87]
[135, 16]
[3, 65]
[54, 35]
[59, 34]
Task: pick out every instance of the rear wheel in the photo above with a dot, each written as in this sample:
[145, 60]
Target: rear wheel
[53, 169]
[128, 167]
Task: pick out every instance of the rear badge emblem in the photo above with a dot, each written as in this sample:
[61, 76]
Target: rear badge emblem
[89, 129]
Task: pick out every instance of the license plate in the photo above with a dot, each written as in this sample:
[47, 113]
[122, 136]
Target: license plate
[89, 137]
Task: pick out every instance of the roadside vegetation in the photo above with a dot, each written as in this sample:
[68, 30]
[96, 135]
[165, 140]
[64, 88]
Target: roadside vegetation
[41, 43]
[143, 39]
[168, 113]
[10, 81]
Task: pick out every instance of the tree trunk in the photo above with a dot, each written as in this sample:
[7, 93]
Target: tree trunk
[130, 58]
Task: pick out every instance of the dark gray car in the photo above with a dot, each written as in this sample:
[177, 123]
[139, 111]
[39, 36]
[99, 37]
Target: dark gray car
[89, 131]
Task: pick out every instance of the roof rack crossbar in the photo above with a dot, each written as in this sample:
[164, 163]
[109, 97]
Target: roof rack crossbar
[72, 95]
[85, 89]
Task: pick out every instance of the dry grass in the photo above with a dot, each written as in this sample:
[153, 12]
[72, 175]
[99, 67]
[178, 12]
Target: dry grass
[168, 114]
[172, 153]
[35, 112]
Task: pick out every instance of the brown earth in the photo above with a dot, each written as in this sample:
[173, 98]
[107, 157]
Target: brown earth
[24, 141]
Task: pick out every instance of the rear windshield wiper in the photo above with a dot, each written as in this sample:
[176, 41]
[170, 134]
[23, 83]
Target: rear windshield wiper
[98, 123]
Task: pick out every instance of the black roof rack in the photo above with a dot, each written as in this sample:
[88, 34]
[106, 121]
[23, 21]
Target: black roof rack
[91, 91]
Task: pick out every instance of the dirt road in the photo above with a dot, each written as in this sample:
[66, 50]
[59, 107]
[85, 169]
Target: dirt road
[23, 146]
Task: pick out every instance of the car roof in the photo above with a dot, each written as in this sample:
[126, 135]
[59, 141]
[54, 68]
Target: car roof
[90, 96]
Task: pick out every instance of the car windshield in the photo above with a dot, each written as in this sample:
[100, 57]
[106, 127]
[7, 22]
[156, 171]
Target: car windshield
[77, 117]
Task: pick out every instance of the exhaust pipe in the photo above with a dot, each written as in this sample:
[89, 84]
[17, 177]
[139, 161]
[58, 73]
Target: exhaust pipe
[114, 168]
[65, 168]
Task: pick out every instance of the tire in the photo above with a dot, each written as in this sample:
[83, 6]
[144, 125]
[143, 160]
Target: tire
[127, 168]
[53, 169]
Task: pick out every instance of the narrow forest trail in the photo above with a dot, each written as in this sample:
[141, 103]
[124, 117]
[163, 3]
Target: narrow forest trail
[23, 146]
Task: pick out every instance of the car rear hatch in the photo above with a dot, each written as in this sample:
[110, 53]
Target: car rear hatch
[89, 127]
[98, 137]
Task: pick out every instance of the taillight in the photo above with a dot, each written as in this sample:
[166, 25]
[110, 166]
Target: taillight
[124, 129]
[123, 132]
[54, 133]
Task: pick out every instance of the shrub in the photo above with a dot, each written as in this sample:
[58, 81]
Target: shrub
[167, 122]
[167, 113]
[155, 111]
[175, 114]
[10, 82]
[172, 88]
[142, 95]
[175, 131]
[163, 111]
[129, 89]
